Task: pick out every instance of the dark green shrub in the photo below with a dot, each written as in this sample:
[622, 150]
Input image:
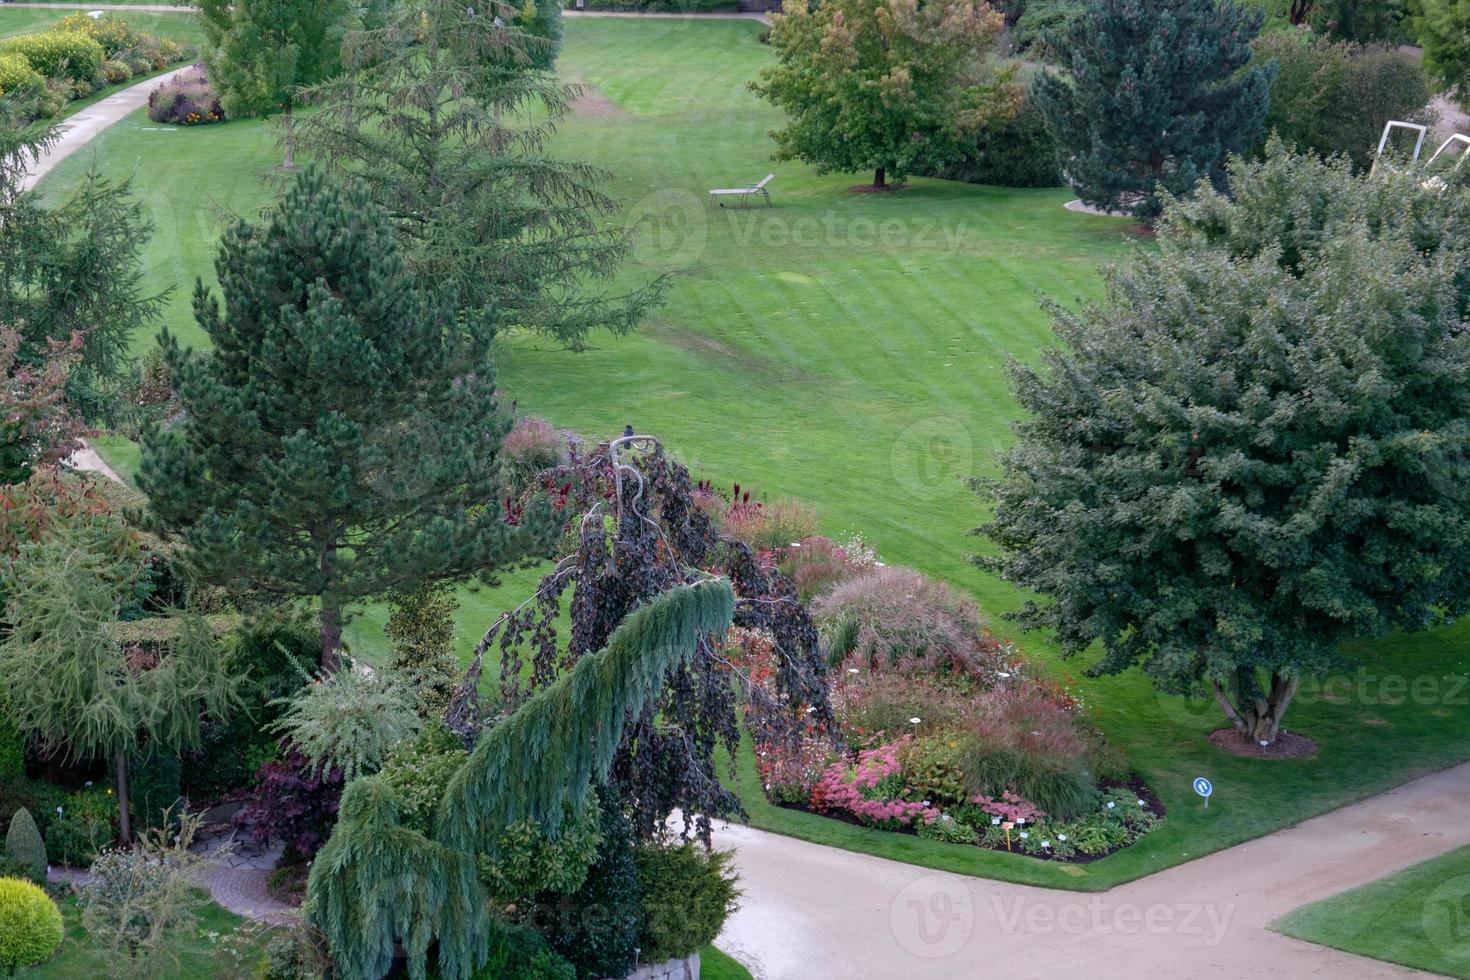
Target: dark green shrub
[421, 634]
[275, 657]
[12, 750]
[516, 951]
[1016, 152]
[23, 844]
[420, 770]
[1040, 20]
[1334, 97]
[687, 895]
[153, 788]
[83, 826]
[30, 925]
[529, 860]
[598, 927]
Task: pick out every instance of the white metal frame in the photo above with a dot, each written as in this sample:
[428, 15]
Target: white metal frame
[1460, 138]
[1388, 129]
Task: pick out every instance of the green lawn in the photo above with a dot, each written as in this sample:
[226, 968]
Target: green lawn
[178, 25]
[850, 350]
[1419, 917]
[198, 954]
[715, 965]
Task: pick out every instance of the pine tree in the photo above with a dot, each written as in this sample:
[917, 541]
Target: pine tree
[444, 115]
[1443, 29]
[341, 439]
[1154, 93]
[262, 52]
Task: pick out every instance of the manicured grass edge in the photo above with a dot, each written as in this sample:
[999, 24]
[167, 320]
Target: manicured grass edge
[1129, 864]
[715, 965]
[1376, 901]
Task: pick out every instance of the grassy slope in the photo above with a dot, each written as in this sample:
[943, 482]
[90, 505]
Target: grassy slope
[861, 368]
[1416, 917]
[176, 25]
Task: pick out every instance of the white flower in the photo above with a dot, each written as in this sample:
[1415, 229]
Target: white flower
[796, 544]
[913, 721]
[1002, 674]
[1141, 803]
[879, 564]
[926, 802]
[852, 670]
[811, 708]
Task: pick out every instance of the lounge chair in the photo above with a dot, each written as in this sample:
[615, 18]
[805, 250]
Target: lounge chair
[744, 193]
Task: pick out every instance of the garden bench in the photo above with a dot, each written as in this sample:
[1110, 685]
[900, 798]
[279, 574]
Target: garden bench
[744, 193]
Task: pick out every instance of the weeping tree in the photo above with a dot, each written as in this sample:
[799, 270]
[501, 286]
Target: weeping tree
[377, 884]
[1255, 448]
[638, 698]
[71, 682]
[444, 115]
[667, 759]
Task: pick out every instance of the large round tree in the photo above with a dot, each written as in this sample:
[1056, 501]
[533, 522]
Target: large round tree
[881, 86]
[342, 438]
[1258, 446]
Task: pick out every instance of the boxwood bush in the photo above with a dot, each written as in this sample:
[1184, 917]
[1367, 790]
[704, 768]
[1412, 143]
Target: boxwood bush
[687, 895]
[23, 844]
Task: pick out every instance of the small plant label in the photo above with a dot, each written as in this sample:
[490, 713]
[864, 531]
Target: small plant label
[1204, 788]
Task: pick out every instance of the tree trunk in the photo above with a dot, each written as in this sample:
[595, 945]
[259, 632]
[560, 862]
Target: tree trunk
[880, 178]
[1255, 717]
[1299, 11]
[331, 638]
[288, 139]
[124, 819]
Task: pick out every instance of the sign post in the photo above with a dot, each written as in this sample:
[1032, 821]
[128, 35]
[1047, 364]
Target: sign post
[1204, 788]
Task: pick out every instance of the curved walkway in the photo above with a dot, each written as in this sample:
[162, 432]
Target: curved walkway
[815, 911]
[79, 130]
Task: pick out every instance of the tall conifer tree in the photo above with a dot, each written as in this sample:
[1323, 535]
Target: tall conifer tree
[1154, 93]
[341, 439]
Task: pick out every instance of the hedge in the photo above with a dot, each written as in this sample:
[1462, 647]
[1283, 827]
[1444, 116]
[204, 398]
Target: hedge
[16, 73]
[57, 54]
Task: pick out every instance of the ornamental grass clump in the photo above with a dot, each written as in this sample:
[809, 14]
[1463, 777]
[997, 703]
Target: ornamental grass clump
[895, 620]
[187, 99]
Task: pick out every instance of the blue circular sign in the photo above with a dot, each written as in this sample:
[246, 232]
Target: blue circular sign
[1203, 787]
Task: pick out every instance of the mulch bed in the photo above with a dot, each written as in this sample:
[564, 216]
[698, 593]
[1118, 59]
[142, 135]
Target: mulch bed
[1288, 745]
[1135, 785]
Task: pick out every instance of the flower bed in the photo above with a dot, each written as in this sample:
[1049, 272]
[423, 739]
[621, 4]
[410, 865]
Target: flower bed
[941, 729]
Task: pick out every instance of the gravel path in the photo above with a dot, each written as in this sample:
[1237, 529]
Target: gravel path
[79, 130]
[817, 911]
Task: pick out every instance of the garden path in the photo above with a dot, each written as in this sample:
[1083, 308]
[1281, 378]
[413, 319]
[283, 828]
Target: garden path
[78, 130]
[814, 911]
